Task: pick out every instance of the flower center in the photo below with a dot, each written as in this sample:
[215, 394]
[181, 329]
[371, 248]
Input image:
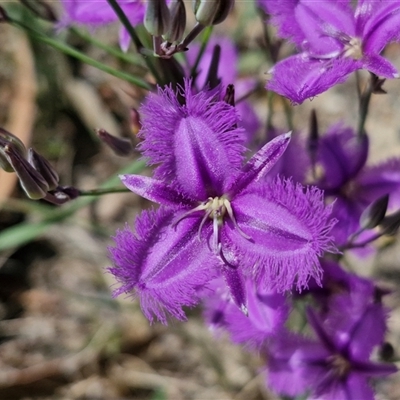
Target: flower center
[340, 365]
[353, 48]
[215, 208]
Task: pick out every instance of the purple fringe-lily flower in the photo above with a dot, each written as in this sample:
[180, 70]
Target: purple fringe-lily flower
[346, 178]
[274, 232]
[334, 40]
[334, 366]
[95, 13]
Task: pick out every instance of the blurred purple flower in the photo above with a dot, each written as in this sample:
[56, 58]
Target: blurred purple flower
[345, 177]
[95, 13]
[334, 40]
[334, 366]
[295, 162]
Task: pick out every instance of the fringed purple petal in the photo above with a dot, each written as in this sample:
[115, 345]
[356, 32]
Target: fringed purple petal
[259, 165]
[283, 17]
[164, 266]
[197, 144]
[155, 190]
[235, 282]
[321, 21]
[299, 77]
[382, 26]
[379, 66]
[289, 228]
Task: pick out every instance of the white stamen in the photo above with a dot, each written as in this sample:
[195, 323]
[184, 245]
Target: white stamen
[215, 208]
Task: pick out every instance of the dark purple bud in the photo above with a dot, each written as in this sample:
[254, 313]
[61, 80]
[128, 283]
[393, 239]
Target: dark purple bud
[7, 138]
[313, 136]
[31, 180]
[157, 18]
[41, 9]
[178, 22]
[373, 215]
[212, 79]
[230, 95]
[44, 168]
[386, 352]
[120, 146]
[391, 223]
[212, 12]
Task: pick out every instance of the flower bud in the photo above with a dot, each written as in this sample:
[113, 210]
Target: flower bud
[178, 22]
[373, 215]
[212, 12]
[391, 224]
[157, 17]
[313, 136]
[230, 95]
[7, 138]
[44, 168]
[120, 146]
[31, 180]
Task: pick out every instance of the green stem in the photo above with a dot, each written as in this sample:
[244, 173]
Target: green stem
[126, 23]
[128, 58]
[364, 101]
[82, 57]
[99, 192]
[288, 113]
[27, 231]
[135, 38]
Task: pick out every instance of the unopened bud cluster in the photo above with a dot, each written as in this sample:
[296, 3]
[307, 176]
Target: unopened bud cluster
[169, 23]
[37, 177]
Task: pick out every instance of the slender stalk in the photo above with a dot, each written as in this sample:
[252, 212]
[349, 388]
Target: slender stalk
[358, 245]
[27, 231]
[191, 36]
[288, 113]
[100, 192]
[126, 23]
[82, 57]
[364, 101]
[135, 38]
